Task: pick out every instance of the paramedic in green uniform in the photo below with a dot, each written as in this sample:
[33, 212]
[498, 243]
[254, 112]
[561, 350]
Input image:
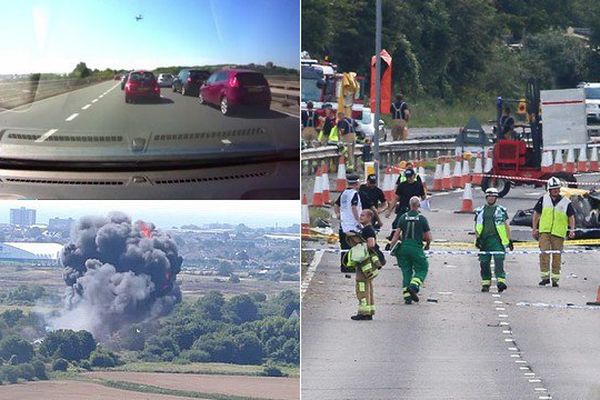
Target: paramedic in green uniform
[493, 234]
[414, 230]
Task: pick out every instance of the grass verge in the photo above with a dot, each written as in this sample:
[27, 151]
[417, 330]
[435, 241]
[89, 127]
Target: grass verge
[137, 387]
[201, 368]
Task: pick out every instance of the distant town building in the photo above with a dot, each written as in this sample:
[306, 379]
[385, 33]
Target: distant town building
[60, 225]
[22, 216]
[31, 252]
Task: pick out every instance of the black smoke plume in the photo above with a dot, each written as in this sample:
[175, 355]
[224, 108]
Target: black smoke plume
[117, 273]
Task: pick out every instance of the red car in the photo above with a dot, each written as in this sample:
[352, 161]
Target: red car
[232, 88]
[141, 85]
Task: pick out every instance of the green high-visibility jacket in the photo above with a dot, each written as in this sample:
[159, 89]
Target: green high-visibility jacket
[554, 219]
[500, 217]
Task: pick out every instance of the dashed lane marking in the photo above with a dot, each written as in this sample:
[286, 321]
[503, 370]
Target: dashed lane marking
[86, 107]
[95, 100]
[72, 117]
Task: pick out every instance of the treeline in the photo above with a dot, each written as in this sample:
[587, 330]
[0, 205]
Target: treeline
[21, 357]
[460, 49]
[245, 329]
[27, 295]
[266, 69]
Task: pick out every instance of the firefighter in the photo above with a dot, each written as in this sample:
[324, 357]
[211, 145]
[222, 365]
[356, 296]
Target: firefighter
[310, 119]
[347, 209]
[493, 234]
[411, 258]
[366, 258]
[553, 217]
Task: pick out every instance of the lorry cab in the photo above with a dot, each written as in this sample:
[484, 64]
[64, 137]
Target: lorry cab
[592, 101]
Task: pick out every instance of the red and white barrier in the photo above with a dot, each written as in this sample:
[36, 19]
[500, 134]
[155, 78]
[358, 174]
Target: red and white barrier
[489, 162]
[547, 161]
[388, 185]
[466, 173]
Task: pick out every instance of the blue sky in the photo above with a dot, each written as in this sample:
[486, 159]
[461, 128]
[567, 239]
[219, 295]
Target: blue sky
[168, 213]
[54, 35]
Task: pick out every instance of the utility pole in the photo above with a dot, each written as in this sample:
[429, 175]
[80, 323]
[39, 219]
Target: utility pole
[377, 87]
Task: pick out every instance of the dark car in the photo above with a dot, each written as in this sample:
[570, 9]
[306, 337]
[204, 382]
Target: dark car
[141, 84]
[232, 88]
[188, 81]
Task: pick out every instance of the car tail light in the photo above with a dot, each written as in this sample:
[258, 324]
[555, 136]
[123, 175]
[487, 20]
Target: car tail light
[156, 88]
[233, 82]
[189, 79]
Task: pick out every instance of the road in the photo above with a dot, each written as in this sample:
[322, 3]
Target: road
[102, 108]
[463, 344]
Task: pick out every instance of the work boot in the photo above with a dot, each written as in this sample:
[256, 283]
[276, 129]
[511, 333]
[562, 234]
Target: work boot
[554, 283]
[485, 288]
[501, 287]
[408, 301]
[544, 282]
[413, 290]
[345, 269]
[361, 317]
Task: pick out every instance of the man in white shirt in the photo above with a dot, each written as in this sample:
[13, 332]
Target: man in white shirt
[347, 209]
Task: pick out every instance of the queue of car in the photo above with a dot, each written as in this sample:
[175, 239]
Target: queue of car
[229, 89]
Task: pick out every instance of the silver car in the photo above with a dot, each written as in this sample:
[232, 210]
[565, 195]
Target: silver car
[165, 80]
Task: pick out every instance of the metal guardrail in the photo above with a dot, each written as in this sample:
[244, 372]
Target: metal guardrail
[390, 152]
[16, 93]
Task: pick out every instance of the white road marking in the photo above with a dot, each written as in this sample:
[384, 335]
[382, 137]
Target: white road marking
[529, 374]
[497, 308]
[72, 117]
[520, 362]
[540, 389]
[515, 356]
[507, 331]
[513, 349]
[509, 340]
[502, 316]
[504, 323]
[226, 141]
[86, 107]
[310, 272]
[101, 96]
[495, 295]
[545, 398]
[534, 380]
[524, 368]
[95, 100]
[498, 302]
[46, 135]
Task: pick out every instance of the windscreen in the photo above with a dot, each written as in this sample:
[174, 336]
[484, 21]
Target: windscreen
[592, 93]
[60, 96]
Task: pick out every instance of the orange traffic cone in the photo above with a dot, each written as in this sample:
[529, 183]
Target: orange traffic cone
[478, 170]
[547, 161]
[340, 181]
[388, 185]
[325, 185]
[582, 164]
[558, 161]
[446, 178]
[466, 173]
[594, 160]
[437, 176]
[597, 302]
[317, 200]
[570, 161]
[467, 200]
[305, 218]
[457, 175]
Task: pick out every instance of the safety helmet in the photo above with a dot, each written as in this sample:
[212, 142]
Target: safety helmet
[491, 192]
[553, 183]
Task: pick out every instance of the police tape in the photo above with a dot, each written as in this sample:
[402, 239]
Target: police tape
[472, 252]
[521, 178]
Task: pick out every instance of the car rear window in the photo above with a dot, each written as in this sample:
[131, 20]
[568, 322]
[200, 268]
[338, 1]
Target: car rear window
[251, 79]
[139, 76]
[199, 74]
